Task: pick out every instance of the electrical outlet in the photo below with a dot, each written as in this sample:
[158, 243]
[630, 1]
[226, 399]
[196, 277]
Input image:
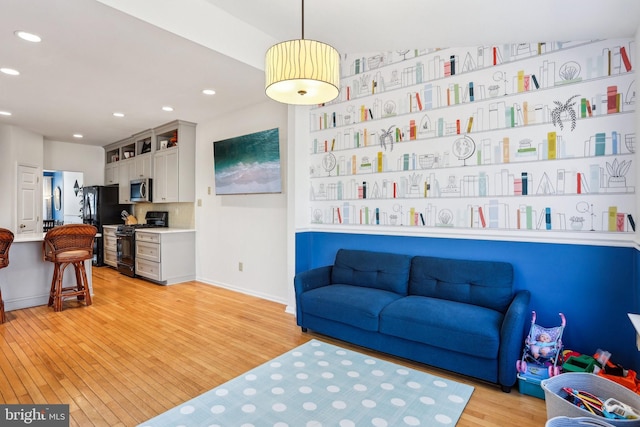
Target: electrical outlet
[240, 266]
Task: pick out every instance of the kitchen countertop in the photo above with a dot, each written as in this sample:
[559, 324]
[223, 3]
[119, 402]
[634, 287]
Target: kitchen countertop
[163, 230]
[34, 237]
[158, 229]
[28, 237]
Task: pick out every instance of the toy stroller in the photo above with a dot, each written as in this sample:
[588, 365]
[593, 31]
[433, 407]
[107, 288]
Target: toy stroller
[543, 349]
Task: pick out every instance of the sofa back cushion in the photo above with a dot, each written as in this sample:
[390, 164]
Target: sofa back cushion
[484, 283]
[379, 270]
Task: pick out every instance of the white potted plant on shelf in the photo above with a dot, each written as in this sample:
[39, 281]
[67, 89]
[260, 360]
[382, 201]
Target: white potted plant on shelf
[576, 222]
[563, 112]
[617, 171]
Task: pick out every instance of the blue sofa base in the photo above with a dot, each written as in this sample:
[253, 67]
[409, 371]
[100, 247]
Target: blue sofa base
[484, 369]
[458, 315]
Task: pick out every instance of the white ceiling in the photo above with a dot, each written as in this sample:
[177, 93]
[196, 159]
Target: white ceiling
[96, 59]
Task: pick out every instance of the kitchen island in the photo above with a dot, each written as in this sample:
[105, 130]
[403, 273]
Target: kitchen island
[27, 280]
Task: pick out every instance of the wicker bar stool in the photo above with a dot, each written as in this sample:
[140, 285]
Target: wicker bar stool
[67, 245]
[6, 239]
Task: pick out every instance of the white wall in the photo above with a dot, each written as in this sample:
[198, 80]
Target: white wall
[67, 156]
[251, 229]
[22, 147]
[637, 157]
[6, 175]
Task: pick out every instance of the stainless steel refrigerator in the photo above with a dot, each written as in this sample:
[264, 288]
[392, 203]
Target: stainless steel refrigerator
[100, 207]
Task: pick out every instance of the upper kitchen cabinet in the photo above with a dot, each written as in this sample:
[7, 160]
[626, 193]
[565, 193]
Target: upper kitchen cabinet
[111, 174]
[174, 162]
[143, 159]
[137, 162]
[166, 154]
[143, 142]
[116, 153]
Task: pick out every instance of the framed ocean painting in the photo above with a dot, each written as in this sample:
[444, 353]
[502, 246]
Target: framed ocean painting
[248, 164]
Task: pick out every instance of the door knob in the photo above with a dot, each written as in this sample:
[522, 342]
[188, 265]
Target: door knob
[22, 226]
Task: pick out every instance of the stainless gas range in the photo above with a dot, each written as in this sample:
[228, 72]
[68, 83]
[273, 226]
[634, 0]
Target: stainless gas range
[126, 240]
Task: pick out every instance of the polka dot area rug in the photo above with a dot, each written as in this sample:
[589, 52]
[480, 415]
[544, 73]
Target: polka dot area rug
[319, 384]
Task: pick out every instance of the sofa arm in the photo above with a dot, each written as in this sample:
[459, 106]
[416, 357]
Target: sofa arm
[311, 279]
[308, 280]
[512, 338]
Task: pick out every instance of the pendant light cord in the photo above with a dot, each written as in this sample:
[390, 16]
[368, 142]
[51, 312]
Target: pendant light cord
[302, 19]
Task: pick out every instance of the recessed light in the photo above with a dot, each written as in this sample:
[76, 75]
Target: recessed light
[77, 135]
[5, 113]
[209, 92]
[167, 108]
[118, 114]
[10, 71]
[30, 37]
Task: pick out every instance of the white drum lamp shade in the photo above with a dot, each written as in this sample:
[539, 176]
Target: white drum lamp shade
[302, 72]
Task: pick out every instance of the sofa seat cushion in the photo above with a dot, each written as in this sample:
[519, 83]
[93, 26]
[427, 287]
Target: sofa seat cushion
[352, 305]
[450, 325]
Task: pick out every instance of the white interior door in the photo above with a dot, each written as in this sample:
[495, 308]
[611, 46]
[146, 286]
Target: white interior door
[28, 199]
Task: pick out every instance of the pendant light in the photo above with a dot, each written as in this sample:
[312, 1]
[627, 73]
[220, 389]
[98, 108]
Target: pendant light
[302, 72]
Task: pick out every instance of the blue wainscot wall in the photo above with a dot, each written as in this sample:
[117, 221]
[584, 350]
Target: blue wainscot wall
[594, 286]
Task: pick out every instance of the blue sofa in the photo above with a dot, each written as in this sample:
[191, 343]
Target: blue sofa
[458, 315]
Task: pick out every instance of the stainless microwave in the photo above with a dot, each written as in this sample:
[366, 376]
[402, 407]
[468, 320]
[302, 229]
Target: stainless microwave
[140, 190]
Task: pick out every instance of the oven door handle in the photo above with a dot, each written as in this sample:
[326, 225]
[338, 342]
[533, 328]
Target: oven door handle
[119, 249]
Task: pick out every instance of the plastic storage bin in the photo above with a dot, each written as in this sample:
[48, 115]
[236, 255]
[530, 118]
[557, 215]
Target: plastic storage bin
[576, 422]
[529, 382]
[530, 386]
[594, 384]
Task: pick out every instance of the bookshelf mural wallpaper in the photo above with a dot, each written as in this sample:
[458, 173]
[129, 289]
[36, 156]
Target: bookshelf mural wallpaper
[517, 137]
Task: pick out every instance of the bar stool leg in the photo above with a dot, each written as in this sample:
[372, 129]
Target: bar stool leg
[2, 316]
[79, 281]
[54, 281]
[85, 284]
[57, 295]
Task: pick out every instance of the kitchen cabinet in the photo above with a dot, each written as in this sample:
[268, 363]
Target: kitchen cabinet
[111, 173]
[142, 166]
[132, 168]
[165, 256]
[115, 154]
[143, 144]
[166, 154]
[167, 176]
[110, 245]
[126, 170]
[174, 162]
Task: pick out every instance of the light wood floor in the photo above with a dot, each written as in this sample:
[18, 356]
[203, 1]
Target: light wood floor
[141, 349]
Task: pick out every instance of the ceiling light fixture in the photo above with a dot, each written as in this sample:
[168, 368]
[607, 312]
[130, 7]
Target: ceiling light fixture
[10, 71]
[167, 108]
[77, 135]
[118, 114]
[5, 113]
[209, 92]
[30, 37]
[302, 72]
